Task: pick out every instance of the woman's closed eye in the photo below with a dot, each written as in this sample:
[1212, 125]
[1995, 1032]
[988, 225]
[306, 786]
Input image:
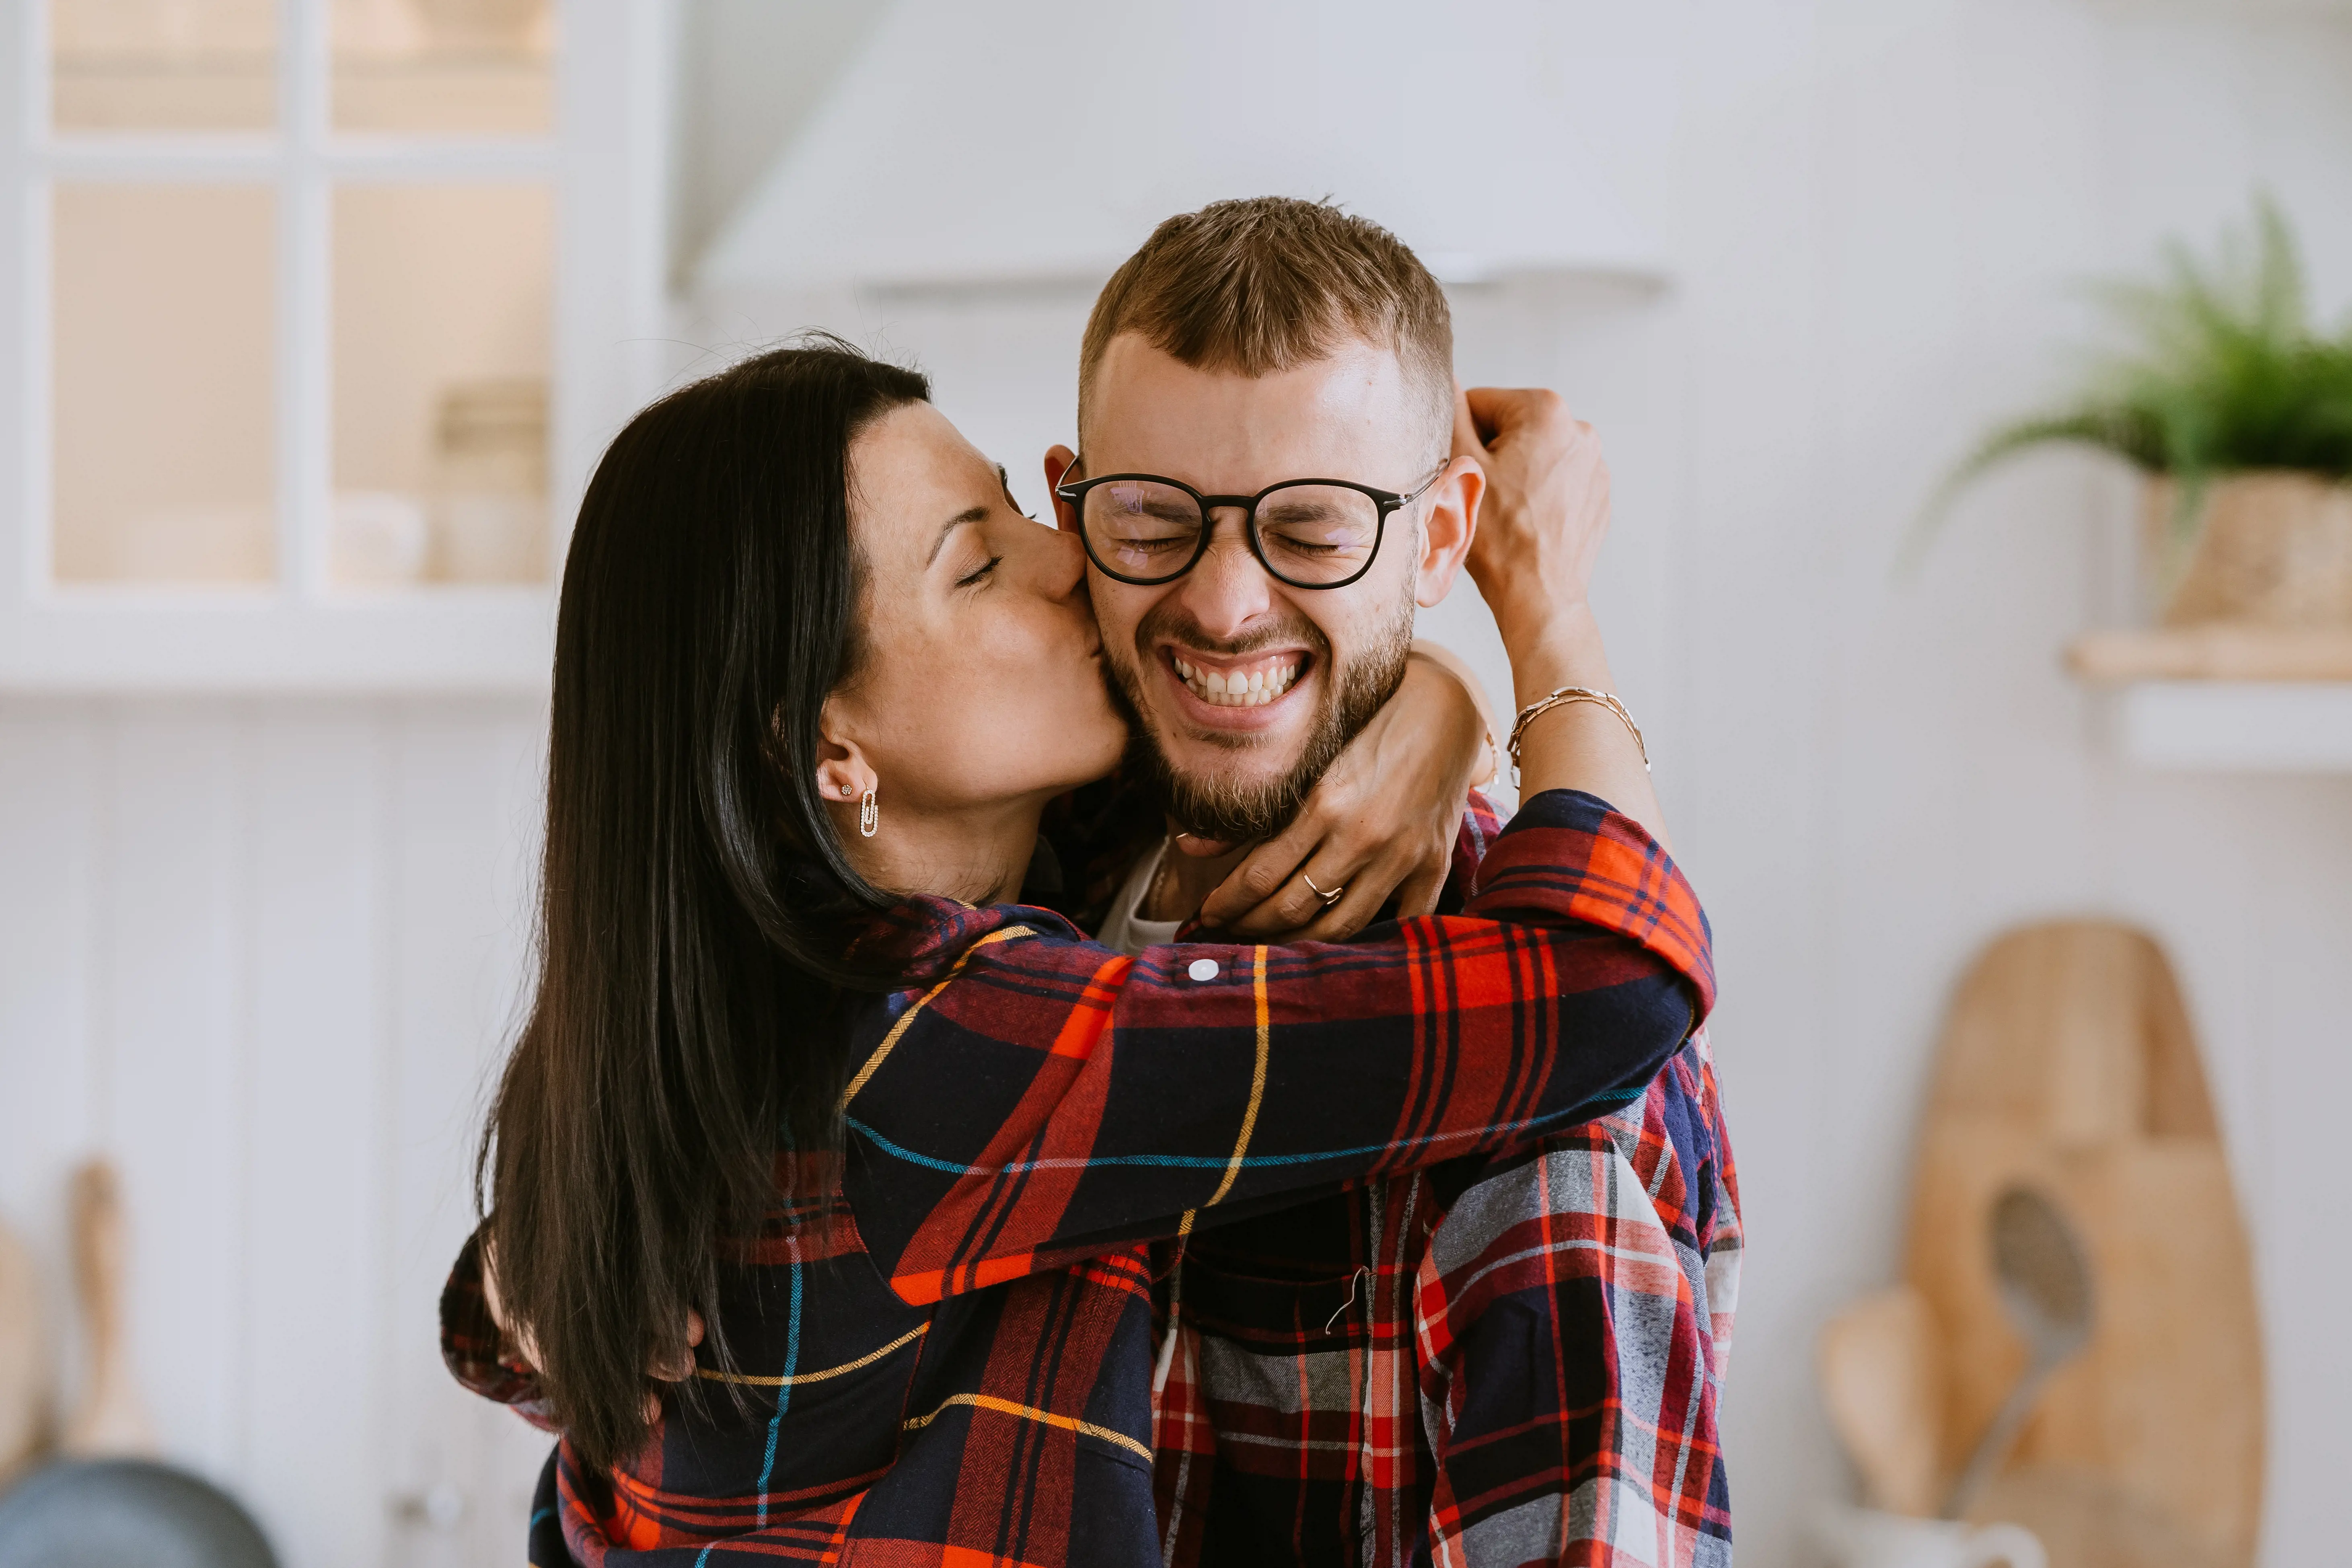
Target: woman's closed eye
[980, 573]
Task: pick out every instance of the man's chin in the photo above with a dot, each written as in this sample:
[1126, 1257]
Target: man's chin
[1232, 786]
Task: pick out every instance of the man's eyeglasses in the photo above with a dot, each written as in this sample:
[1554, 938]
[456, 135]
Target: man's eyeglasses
[1310, 533]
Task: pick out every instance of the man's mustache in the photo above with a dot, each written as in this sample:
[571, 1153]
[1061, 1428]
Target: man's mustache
[1172, 623]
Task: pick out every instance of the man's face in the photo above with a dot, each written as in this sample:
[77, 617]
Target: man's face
[1301, 670]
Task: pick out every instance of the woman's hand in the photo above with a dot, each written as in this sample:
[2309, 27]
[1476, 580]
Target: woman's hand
[1546, 508]
[1540, 524]
[520, 1350]
[1382, 820]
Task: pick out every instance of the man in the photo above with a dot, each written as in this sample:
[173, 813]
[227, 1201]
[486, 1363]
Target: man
[1505, 1360]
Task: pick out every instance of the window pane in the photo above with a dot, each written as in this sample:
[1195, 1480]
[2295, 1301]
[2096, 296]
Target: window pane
[442, 66]
[163, 65]
[163, 347]
[441, 362]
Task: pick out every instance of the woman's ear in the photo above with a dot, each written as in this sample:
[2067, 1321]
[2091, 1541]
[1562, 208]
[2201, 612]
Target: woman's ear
[841, 771]
[1449, 522]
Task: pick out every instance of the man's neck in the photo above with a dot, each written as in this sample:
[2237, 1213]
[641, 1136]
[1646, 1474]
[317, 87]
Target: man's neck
[1185, 881]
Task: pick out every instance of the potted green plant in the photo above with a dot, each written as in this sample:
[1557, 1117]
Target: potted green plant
[2240, 414]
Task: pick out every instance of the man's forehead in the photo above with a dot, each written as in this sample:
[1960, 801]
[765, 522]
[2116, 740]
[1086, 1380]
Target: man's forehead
[1217, 428]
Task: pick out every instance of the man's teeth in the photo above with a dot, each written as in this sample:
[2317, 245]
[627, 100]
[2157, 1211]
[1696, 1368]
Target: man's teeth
[1237, 688]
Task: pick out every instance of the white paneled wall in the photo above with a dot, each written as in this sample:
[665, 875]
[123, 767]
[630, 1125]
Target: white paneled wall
[263, 957]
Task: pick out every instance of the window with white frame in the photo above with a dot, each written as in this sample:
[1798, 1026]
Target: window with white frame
[292, 280]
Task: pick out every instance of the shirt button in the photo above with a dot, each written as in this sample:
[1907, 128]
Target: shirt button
[1202, 969]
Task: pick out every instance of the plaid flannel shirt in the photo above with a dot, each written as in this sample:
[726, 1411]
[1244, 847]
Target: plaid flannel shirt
[1338, 1390]
[1495, 1360]
[964, 1373]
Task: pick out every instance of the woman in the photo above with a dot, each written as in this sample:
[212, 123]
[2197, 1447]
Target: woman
[789, 1035]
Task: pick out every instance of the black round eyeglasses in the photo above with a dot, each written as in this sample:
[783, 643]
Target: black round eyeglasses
[1146, 528]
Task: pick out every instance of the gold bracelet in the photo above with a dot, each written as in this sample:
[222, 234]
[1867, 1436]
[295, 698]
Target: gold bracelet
[1565, 695]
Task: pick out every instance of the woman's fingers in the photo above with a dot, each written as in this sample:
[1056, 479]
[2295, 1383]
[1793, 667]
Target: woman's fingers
[1266, 873]
[679, 1367]
[1419, 893]
[1407, 869]
[1359, 904]
[676, 1369]
[1363, 880]
[1468, 443]
[1303, 895]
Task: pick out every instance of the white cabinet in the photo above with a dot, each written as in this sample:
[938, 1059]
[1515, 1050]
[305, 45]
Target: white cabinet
[319, 314]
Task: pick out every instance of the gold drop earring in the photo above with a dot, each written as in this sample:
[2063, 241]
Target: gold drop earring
[869, 818]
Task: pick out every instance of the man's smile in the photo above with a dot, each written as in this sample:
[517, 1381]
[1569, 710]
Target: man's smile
[1219, 689]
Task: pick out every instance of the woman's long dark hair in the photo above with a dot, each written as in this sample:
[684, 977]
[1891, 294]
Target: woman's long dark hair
[693, 881]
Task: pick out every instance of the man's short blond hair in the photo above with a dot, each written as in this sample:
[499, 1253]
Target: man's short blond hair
[1267, 283]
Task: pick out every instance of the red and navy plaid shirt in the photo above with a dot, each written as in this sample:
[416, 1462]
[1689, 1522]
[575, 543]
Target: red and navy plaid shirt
[965, 1370]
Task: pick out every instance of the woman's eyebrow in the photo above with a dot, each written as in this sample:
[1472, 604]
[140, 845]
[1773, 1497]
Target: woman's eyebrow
[969, 514]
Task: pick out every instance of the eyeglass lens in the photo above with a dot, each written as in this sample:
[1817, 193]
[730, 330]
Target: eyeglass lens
[1307, 534]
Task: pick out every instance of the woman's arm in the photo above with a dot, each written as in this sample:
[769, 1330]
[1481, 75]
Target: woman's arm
[1540, 525]
[1042, 1098]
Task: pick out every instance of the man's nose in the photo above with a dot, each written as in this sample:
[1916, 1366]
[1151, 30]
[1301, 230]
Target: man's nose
[1226, 589]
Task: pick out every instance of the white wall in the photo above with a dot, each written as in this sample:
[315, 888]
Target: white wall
[264, 951]
[263, 956]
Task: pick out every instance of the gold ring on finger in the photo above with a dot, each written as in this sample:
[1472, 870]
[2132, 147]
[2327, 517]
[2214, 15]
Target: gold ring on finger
[1329, 899]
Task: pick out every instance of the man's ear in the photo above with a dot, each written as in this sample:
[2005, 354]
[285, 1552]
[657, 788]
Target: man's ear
[1059, 460]
[1449, 522]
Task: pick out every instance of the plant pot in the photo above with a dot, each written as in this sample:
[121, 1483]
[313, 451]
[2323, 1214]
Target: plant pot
[2271, 548]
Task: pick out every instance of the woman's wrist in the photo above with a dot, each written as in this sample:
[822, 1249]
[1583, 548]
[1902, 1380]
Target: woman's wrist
[1552, 644]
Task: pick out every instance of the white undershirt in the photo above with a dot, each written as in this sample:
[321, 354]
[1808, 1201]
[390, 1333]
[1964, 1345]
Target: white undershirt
[1122, 928]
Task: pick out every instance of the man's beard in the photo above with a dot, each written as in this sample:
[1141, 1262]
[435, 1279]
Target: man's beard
[1236, 810]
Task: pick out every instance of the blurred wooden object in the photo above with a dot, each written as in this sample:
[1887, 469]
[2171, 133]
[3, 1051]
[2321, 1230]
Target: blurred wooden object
[24, 1359]
[2067, 1065]
[2089, 1521]
[110, 1418]
[2214, 652]
[1882, 1370]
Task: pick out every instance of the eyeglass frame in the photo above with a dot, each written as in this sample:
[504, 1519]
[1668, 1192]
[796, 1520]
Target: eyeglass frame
[1388, 501]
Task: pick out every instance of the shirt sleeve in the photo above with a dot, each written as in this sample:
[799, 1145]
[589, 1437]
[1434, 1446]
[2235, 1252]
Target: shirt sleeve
[476, 1351]
[1048, 1098]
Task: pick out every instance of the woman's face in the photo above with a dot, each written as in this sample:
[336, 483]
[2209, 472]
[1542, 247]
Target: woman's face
[983, 682]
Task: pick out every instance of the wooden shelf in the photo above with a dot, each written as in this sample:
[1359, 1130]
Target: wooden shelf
[2212, 653]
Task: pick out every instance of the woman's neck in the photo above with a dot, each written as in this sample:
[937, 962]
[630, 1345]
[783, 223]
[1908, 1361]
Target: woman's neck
[975, 854]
